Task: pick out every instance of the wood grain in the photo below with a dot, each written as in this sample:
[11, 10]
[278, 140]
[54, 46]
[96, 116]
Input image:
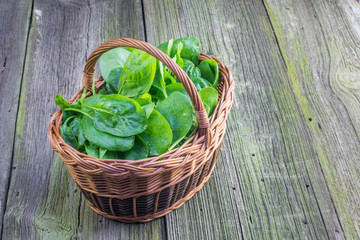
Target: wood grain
[43, 200]
[291, 152]
[268, 182]
[320, 45]
[14, 19]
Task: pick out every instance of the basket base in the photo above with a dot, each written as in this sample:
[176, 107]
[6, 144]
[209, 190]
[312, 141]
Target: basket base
[150, 217]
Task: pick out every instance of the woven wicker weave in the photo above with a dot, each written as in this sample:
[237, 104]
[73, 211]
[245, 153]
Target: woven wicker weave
[142, 190]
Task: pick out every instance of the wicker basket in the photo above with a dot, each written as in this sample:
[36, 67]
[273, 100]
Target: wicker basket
[140, 191]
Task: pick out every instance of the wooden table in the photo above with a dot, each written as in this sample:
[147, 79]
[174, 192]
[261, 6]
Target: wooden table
[290, 163]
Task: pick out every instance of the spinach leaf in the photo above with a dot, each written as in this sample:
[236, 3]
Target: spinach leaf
[74, 125]
[144, 99]
[178, 111]
[177, 58]
[146, 96]
[158, 86]
[81, 137]
[60, 101]
[200, 83]
[105, 140]
[210, 71]
[138, 74]
[190, 68]
[168, 77]
[190, 49]
[92, 100]
[65, 105]
[113, 83]
[92, 150]
[139, 151]
[102, 152]
[112, 155]
[188, 135]
[157, 135]
[209, 96]
[148, 108]
[118, 115]
[176, 87]
[67, 134]
[111, 65]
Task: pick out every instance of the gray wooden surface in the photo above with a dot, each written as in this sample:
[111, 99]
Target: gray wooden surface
[289, 167]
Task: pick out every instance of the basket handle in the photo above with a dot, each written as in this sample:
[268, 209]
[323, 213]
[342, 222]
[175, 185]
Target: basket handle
[201, 115]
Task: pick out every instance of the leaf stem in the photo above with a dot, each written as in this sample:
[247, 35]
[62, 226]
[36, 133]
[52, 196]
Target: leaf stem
[79, 111]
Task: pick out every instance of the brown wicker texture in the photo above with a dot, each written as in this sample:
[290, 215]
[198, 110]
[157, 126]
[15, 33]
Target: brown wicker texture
[142, 190]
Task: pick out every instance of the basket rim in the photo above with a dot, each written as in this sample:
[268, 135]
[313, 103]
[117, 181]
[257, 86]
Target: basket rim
[115, 165]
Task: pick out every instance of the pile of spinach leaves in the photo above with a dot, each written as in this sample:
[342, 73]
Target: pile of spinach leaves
[142, 109]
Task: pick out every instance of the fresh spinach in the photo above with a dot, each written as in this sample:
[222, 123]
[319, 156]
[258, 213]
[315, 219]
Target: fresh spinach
[140, 150]
[200, 83]
[210, 71]
[142, 110]
[68, 134]
[178, 111]
[190, 49]
[190, 68]
[209, 96]
[158, 135]
[138, 74]
[105, 140]
[118, 115]
[113, 61]
[92, 150]
[173, 87]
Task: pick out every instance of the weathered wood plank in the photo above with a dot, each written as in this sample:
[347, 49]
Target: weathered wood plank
[14, 26]
[43, 201]
[320, 45]
[268, 182]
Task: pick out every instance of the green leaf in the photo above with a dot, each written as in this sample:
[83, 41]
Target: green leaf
[113, 84]
[112, 155]
[67, 134]
[209, 96]
[200, 83]
[60, 101]
[158, 134]
[178, 111]
[187, 136]
[168, 78]
[144, 99]
[92, 150]
[118, 115]
[81, 137]
[210, 71]
[138, 74]
[148, 109]
[190, 68]
[177, 58]
[111, 64]
[74, 125]
[139, 151]
[92, 100]
[102, 152]
[173, 87]
[105, 140]
[146, 96]
[158, 86]
[190, 49]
